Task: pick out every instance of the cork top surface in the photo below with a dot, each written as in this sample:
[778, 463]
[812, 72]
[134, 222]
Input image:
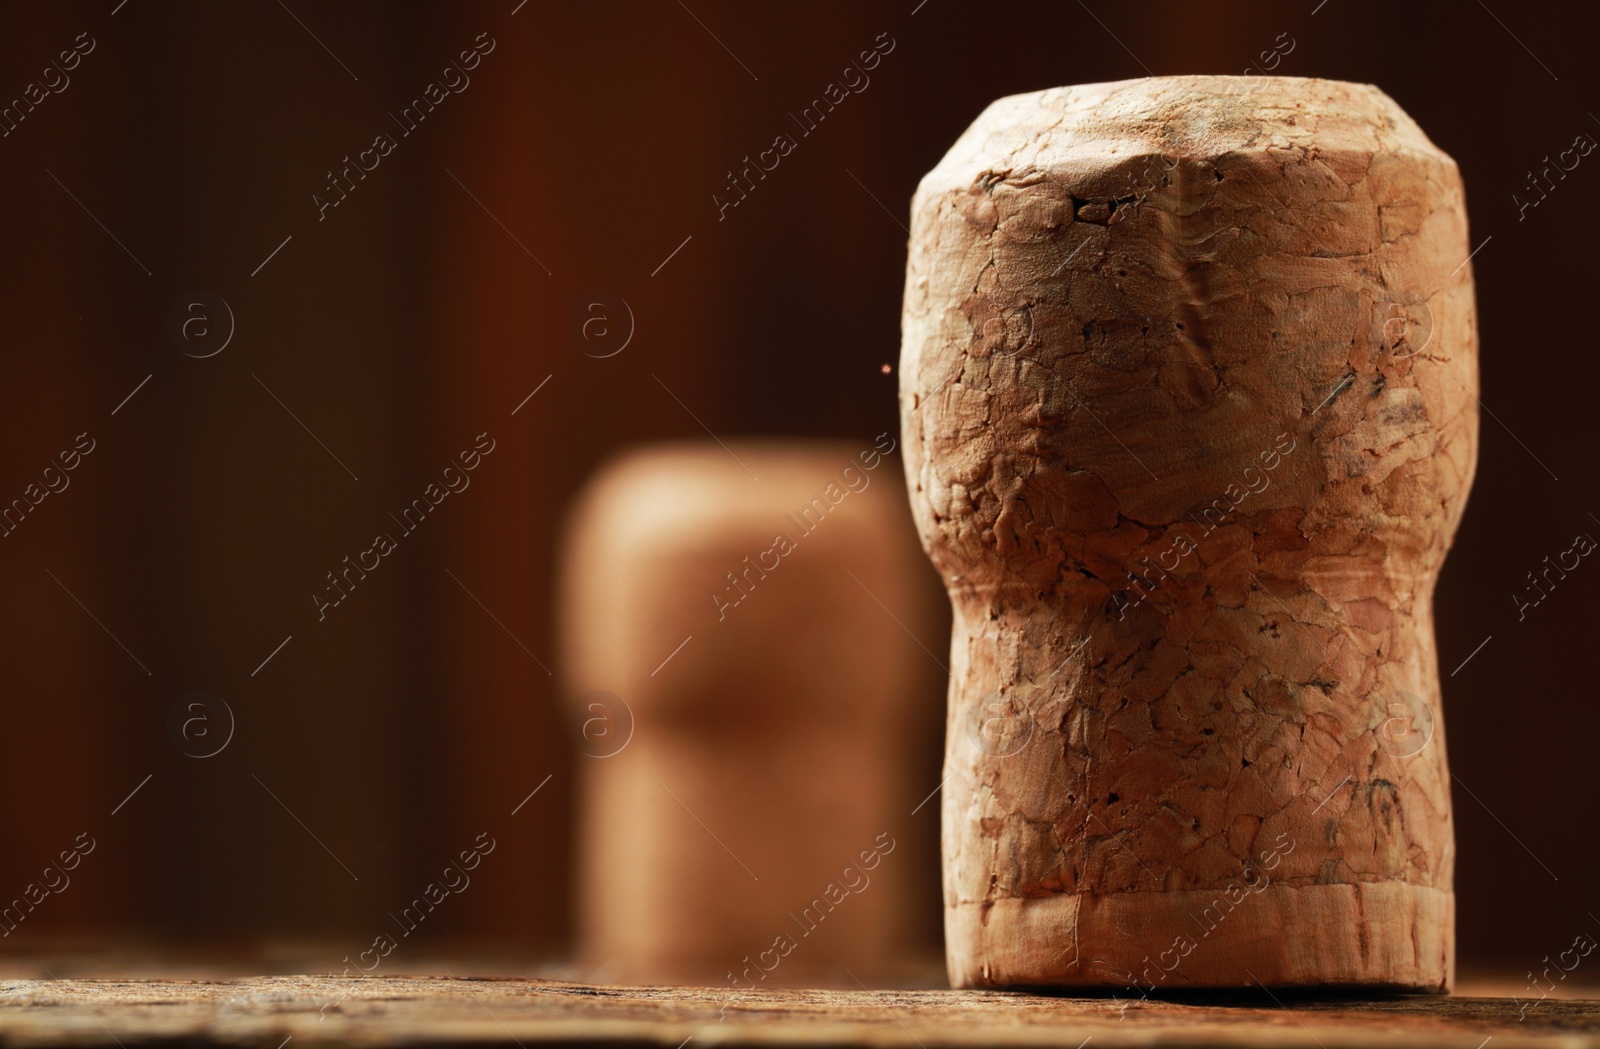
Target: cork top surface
[1201, 117]
[695, 492]
[1203, 262]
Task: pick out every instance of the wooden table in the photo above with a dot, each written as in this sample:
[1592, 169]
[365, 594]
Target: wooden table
[303, 1011]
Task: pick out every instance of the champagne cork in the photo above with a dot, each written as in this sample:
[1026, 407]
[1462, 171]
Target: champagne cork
[741, 685]
[1188, 402]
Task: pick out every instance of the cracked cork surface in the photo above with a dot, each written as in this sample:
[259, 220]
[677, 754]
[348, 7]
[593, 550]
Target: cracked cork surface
[1188, 399]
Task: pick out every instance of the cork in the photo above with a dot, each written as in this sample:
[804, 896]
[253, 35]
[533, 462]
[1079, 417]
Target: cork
[743, 687]
[1188, 396]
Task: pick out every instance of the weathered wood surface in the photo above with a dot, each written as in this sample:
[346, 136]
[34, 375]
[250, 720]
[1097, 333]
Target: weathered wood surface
[270, 1011]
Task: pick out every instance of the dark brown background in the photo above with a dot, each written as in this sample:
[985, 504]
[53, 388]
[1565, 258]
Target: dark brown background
[408, 321]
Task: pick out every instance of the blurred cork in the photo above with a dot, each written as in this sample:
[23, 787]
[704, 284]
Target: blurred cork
[744, 692]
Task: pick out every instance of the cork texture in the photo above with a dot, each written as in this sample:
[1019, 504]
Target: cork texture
[1188, 400]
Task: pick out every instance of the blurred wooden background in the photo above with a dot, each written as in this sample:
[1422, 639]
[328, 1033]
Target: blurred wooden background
[421, 310]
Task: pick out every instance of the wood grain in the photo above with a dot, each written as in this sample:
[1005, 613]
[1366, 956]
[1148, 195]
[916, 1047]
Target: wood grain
[410, 1011]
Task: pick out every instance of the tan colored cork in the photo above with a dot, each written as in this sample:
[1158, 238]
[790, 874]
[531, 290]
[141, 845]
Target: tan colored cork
[742, 685]
[1188, 401]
